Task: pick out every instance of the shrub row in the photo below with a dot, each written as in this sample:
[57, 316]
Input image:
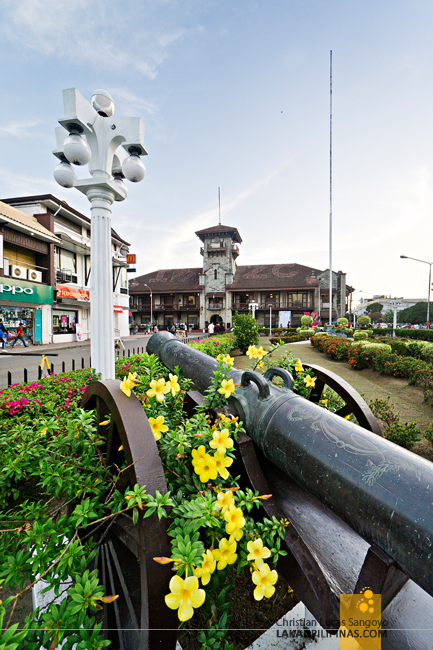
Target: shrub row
[381, 358]
[286, 339]
[215, 345]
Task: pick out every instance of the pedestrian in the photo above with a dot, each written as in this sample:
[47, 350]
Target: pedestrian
[19, 335]
[3, 332]
[211, 328]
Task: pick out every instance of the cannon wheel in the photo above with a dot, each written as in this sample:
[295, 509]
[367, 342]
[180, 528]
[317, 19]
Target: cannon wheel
[354, 404]
[139, 619]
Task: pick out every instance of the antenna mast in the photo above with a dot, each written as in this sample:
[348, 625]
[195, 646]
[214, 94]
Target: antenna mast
[219, 207]
[330, 187]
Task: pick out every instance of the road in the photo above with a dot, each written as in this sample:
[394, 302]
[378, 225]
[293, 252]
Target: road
[80, 353]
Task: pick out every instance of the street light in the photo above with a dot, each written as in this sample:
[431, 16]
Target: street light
[151, 312]
[270, 320]
[405, 257]
[394, 304]
[253, 306]
[89, 134]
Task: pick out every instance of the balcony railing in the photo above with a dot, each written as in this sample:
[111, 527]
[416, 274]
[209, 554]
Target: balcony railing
[212, 306]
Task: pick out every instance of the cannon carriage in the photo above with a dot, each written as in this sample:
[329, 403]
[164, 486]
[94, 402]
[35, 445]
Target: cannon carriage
[360, 508]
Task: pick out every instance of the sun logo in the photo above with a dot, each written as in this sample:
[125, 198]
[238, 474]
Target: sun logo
[365, 603]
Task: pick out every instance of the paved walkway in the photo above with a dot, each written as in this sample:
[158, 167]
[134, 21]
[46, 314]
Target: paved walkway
[69, 356]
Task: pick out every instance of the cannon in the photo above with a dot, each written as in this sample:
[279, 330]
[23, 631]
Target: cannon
[360, 508]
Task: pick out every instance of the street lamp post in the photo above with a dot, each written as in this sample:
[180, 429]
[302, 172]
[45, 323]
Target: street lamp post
[270, 320]
[253, 306]
[151, 312]
[89, 134]
[394, 304]
[405, 257]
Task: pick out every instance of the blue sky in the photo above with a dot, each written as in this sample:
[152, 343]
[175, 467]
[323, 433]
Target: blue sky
[236, 94]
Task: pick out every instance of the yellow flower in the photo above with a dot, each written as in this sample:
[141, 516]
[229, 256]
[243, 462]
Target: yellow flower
[43, 432]
[236, 536]
[158, 426]
[265, 579]
[225, 554]
[298, 366]
[120, 448]
[221, 441]
[158, 389]
[208, 566]
[228, 360]
[347, 417]
[185, 595]
[206, 468]
[227, 388]
[222, 462]
[224, 500]
[234, 518]
[172, 384]
[197, 454]
[127, 384]
[309, 381]
[324, 402]
[260, 352]
[257, 552]
[252, 352]
[104, 423]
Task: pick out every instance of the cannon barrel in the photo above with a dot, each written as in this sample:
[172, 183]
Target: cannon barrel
[383, 492]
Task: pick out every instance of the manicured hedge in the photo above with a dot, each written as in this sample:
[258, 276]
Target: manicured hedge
[382, 359]
[286, 339]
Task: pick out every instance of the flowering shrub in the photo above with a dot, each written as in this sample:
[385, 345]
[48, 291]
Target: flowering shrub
[215, 345]
[359, 335]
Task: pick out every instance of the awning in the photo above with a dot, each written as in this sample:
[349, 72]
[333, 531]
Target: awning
[70, 302]
[70, 244]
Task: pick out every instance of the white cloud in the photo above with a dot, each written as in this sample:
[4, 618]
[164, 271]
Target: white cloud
[97, 33]
[20, 129]
[12, 181]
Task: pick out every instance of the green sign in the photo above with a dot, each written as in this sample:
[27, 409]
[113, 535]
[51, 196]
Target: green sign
[22, 291]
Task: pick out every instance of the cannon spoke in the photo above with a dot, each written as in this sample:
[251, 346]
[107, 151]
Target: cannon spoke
[354, 403]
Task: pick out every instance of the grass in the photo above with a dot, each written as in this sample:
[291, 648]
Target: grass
[407, 400]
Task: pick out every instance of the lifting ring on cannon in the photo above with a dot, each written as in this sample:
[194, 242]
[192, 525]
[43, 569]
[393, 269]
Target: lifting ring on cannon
[139, 618]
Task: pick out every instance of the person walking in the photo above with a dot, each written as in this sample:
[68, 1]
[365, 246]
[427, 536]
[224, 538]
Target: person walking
[3, 332]
[19, 335]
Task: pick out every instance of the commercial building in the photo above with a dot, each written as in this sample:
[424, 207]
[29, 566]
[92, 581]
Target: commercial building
[213, 293]
[64, 265]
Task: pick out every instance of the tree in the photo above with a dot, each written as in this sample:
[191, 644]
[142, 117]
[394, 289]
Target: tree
[363, 320]
[416, 314]
[388, 316]
[375, 307]
[342, 322]
[306, 320]
[375, 316]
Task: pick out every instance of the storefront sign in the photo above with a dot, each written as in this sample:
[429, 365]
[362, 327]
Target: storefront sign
[118, 309]
[22, 291]
[79, 331]
[72, 292]
[131, 258]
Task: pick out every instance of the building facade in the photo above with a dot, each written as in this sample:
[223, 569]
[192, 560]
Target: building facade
[213, 293]
[68, 268]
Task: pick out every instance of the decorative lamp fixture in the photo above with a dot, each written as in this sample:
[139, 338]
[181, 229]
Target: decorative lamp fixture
[133, 168]
[76, 149]
[65, 174]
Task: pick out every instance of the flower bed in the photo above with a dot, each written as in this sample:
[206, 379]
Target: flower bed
[215, 345]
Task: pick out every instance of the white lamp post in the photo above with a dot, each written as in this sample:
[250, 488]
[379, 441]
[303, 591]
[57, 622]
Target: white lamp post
[151, 312]
[405, 257]
[253, 306]
[394, 304]
[89, 134]
[270, 321]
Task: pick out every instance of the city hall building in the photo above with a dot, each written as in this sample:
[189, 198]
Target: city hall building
[213, 293]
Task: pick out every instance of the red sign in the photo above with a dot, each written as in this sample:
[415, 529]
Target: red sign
[72, 292]
[118, 309]
[131, 259]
